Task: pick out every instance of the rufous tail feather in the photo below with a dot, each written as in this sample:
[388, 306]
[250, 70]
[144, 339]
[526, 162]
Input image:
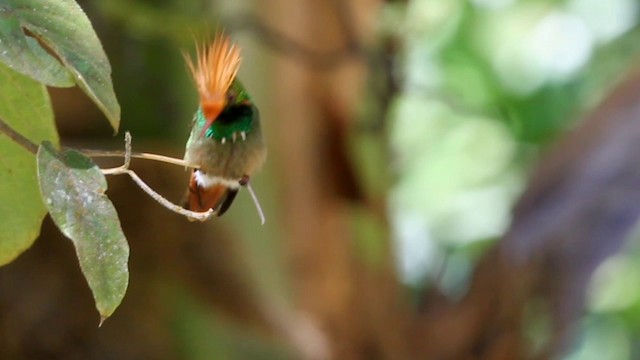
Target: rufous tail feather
[201, 199]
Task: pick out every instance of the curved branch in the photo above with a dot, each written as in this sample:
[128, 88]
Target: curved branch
[124, 169]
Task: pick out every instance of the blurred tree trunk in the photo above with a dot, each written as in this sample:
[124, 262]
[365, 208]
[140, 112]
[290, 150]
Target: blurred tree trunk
[315, 107]
[581, 204]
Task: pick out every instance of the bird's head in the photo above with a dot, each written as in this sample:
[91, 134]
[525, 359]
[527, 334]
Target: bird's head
[214, 69]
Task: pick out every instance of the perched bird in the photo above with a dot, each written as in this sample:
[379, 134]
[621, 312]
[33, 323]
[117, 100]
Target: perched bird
[225, 143]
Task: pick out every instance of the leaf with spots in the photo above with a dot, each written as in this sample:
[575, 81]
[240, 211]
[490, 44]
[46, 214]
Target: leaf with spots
[73, 189]
[61, 25]
[25, 107]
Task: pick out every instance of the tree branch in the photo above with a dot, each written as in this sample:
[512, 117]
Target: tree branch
[137, 155]
[18, 138]
[124, 169]
[320, 60]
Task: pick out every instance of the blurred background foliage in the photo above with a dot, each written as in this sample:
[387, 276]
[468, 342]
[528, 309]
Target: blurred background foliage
[486, 84]
[479, 89]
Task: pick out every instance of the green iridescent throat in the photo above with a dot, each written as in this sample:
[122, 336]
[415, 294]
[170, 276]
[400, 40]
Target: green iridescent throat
[224, 126]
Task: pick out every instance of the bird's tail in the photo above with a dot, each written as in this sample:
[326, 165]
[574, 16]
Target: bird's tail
[218, 197]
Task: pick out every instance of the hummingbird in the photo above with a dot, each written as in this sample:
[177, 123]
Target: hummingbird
[225, 145]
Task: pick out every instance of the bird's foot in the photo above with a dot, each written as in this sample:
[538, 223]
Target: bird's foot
[244, 180]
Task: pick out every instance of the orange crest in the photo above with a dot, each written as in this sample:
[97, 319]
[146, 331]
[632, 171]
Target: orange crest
[215, 67]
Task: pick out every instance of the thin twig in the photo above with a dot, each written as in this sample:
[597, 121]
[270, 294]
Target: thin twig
[346, 18]
[124, 169]
[137, 155]
[127, 158]
[200, 216]
[114, 171]
[127, 149]
[18, 138]
[320, 60]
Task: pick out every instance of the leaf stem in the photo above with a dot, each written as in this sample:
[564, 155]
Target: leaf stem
[18, 138]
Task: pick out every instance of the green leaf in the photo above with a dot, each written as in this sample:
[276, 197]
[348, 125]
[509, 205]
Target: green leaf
[25, 55]
[66, 30]
[73, 187]
[25, 106]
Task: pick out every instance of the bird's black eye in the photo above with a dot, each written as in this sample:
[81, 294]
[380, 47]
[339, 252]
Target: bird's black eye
[231, 97]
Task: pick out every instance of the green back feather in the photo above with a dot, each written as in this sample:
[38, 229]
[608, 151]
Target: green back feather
[238, 116]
